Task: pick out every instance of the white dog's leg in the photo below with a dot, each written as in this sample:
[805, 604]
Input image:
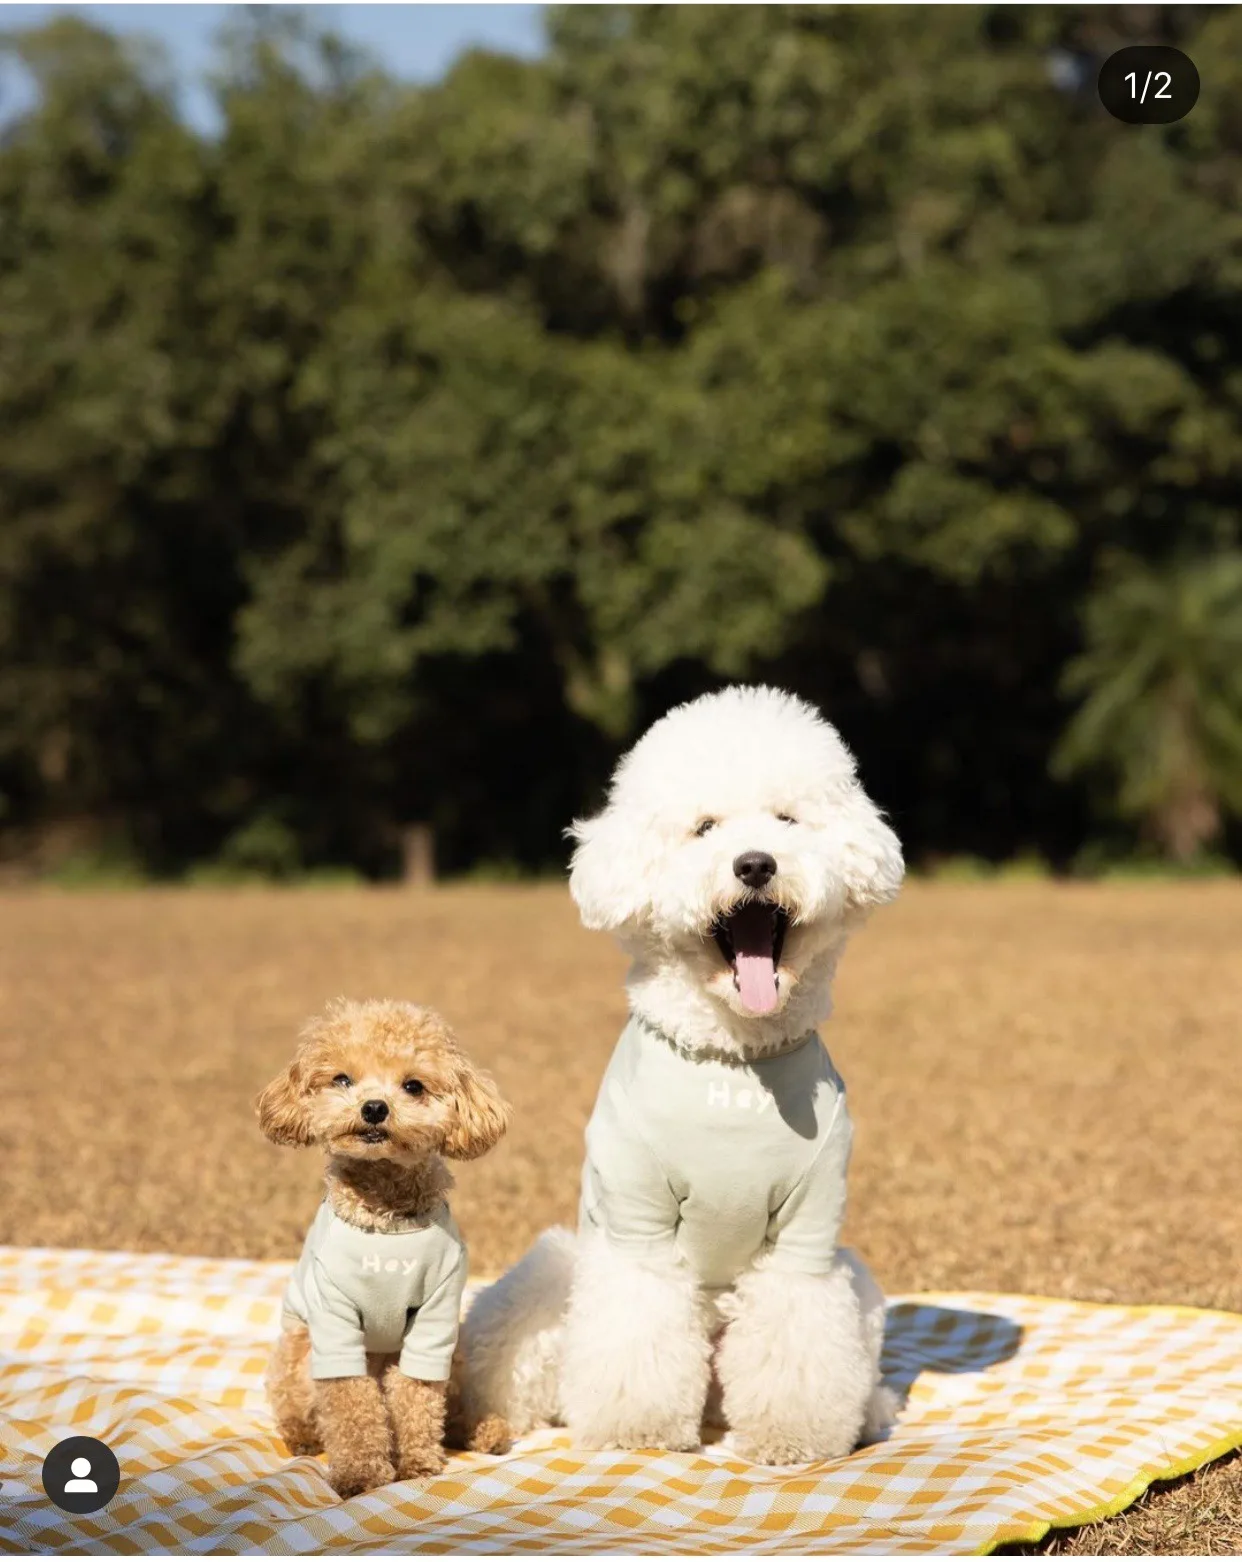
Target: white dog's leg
[637, 1353]
[884, 1405]
[799, 1362]
[511, 1338]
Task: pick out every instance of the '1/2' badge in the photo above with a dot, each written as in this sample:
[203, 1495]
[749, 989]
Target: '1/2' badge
[1148, 84]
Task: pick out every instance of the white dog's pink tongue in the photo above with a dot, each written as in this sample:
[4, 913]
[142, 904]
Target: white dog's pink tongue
[751, 930]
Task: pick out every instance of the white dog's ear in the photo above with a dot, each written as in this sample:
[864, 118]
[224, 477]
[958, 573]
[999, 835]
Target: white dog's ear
[871, 861]
[608, 876]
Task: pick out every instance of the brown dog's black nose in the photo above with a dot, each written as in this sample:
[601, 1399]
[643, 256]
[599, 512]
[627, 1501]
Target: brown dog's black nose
[754, 868]
[374, 1111]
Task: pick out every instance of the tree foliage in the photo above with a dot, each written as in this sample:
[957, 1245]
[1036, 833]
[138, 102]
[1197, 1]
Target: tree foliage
[1162, 676]
[396, 453]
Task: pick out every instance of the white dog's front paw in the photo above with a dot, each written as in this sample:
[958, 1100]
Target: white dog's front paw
[883, 1409]
[799, 1364]
[637, 1357]
[637, 1430]
[607, 1408]
[775, 1444]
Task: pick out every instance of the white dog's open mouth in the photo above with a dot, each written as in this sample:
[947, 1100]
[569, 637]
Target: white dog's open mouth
[751, 938]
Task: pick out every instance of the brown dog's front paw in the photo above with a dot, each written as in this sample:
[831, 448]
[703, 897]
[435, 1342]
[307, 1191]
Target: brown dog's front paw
[301, 1439]
[350, 1414]
[416, 1463]
[348, 1480]
[492, 1435]
[416, 1408]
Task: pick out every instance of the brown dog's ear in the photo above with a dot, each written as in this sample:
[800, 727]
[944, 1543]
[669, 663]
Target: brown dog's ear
[479, 1118]
[282, 1109]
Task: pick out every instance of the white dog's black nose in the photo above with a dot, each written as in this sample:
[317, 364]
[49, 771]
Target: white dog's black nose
[754, 868]
[374, 1111]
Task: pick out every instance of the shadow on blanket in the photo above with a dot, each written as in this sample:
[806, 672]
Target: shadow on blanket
[925, 1338]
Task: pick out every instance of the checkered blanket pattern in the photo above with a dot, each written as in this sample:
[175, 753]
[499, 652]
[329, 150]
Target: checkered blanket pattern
[1020, 1413]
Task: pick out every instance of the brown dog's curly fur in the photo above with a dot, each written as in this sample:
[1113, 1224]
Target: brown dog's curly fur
[423, 1416]
[356, 1435]
[383, 1426]
[416, 1412]
[491, 1434]
[291, 1391]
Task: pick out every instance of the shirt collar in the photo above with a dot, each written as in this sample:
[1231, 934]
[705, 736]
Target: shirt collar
[719, 1054]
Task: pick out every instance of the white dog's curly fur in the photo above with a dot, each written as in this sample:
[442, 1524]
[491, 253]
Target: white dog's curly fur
[623, 1349]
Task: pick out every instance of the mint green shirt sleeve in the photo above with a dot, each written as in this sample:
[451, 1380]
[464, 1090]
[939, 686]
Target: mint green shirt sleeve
[626, 1190]
[431, 1335]
[804, 1229]
[338, 1342]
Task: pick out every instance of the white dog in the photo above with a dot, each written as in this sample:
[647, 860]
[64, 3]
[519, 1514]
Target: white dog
[736, 853]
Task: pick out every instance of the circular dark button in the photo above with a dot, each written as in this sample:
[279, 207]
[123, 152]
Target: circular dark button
[1148, 84]
[81, 1475]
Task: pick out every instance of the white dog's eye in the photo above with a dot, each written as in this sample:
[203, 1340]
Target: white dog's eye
[786, 818]
[343, 1080]
[704, 825]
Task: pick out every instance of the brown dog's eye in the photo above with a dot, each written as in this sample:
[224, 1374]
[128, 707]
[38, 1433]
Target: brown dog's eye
[413, 1087]
[343, 1080]
[704, 825]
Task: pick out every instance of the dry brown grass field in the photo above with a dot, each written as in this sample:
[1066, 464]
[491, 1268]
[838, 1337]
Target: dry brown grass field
[1044, 1080]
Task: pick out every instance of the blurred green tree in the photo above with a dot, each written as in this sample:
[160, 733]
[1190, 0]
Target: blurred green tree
[1161, 677]
[397, 453]
[116, 586]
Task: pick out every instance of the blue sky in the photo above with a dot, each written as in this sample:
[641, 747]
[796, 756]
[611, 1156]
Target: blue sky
[417, 42]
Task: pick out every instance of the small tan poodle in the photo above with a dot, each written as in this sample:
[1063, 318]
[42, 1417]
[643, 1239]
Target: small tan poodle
[363, 1364]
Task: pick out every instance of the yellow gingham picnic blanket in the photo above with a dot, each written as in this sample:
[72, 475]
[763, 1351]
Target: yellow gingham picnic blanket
[1021, 1413]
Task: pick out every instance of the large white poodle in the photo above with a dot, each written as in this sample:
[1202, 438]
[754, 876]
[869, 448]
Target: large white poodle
[736, 853]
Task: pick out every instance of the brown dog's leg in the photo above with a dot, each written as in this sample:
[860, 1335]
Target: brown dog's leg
[416, 1409]
[351, 1420]
[291, 1393]
[491, 1435]
[488, 1434]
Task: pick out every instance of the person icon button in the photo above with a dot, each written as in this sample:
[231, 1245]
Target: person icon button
[81, 1475]
[81, 1469]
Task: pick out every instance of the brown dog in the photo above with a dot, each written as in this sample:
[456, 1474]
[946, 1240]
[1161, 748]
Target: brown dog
[362, 1366]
